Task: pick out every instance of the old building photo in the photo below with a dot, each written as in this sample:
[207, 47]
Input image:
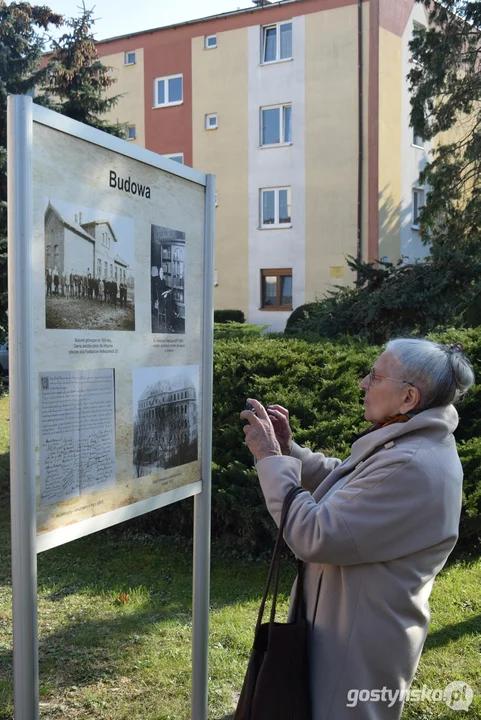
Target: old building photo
[167, 280]
[89, 278]
[165, 405]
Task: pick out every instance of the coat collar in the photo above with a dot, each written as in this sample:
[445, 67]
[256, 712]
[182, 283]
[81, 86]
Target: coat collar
[436, 423]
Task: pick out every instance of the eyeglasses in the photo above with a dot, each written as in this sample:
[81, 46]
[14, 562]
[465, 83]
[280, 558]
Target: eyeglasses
[373, 376]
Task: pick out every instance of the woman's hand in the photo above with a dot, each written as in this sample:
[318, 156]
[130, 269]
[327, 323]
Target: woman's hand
[280, 420]
[260, 434]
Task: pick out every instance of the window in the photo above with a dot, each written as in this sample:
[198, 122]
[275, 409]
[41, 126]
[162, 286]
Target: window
[276, 125]
[417, 140]
[277, 42]
[105, 269]
[177, 157]
[211, 122]
[168, 91]
[417, 204]
[210, 41]
[129, 58]
[56, 255]
[276, 289]
[418, 27]
[275, 207]
[131, 134]
[99, 267]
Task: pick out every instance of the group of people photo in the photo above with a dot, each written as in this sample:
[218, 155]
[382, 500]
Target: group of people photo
[75, 285]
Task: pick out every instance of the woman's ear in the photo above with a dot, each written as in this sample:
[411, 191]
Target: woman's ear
[412, 398]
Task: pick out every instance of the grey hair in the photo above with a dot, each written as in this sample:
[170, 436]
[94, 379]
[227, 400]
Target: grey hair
[442, 373]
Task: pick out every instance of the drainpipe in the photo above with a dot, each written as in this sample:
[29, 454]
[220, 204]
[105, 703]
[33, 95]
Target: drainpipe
[361, 130]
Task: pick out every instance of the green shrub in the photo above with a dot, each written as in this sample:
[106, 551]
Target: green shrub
[229, 330]
[395, 299]
[470, 455]
[319, 383]
[300, 315]
[224, 316]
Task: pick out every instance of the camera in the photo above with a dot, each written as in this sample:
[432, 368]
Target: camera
[250, 406]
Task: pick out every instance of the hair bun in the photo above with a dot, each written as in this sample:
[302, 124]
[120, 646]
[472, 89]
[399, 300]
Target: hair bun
[462, 369]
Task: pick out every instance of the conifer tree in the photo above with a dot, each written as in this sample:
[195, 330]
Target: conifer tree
[77, 78]
[21, 47]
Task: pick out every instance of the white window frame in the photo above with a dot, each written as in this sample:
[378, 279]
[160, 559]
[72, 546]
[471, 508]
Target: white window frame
[206, 42]
[414, 138]
[276, 224]
[207, 118]
[415, 225]
[281, 143]
[166, 79]
[417, 27]
[278, 58]
[172, 156]
[131, 127]
[126, 57]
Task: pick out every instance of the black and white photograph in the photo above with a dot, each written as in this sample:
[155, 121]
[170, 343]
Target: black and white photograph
[165, 428]
[167, 280]
[89, 278]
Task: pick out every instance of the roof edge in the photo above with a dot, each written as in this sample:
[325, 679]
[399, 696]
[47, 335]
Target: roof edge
[242, 11]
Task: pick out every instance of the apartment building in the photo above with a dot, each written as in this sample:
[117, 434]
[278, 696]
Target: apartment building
[301, 110]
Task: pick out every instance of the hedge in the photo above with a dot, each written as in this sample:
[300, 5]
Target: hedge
[225, 316]
[319, 383]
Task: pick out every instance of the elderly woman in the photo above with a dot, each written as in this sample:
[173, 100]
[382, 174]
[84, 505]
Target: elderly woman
[374, 530]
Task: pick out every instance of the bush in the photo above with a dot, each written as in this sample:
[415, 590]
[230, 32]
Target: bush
[225, 316]
[229, 330]
[300, 315]
[319, 383]
[395, 299]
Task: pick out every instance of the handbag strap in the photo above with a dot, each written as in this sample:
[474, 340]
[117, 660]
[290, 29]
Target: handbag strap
[274, 568]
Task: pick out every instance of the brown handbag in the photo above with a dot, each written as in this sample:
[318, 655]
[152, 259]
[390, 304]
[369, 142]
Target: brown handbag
[276, 685]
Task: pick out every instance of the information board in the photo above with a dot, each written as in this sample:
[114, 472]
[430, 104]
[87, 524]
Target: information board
[118, 278]
[111, 276]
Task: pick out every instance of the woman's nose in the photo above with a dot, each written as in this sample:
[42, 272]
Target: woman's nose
[364, 384]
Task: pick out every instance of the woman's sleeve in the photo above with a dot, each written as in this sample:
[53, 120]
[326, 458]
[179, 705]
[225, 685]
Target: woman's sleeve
[392, 510]
[315, 466]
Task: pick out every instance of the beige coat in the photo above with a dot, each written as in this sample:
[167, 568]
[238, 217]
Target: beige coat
[373, 549]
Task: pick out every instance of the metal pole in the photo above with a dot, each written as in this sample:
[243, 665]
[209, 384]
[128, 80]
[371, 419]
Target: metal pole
[22, 455]
[200, 625]
[360, 121]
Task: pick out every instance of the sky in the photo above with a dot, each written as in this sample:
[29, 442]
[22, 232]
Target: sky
[120, 17]
[123, 227]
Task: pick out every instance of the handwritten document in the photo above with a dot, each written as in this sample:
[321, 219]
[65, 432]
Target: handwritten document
[77, 433]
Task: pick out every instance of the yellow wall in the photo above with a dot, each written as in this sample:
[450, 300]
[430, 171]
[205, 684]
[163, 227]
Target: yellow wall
[332, 145]
[390, 135]
[219, 85]
[130, 84]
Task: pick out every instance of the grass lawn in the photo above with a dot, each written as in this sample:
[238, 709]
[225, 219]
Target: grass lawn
[115, 626]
